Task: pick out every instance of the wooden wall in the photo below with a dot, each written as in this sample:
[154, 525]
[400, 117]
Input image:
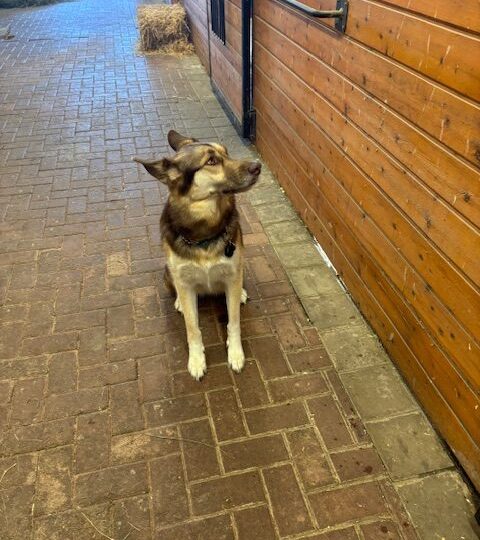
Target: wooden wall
[222, 61]
[375, 136]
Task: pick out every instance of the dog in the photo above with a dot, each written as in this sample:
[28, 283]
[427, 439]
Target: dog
[202, 237]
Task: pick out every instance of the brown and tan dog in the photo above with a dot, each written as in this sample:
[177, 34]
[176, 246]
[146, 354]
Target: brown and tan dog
[202, 236]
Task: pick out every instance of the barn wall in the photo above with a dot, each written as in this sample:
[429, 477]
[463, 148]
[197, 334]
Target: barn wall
[375, 136]
[222, 61]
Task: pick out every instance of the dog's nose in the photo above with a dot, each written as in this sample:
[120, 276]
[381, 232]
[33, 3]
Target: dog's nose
[254, 168]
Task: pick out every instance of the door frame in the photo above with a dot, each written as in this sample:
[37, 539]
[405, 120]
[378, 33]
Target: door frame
[248, 112]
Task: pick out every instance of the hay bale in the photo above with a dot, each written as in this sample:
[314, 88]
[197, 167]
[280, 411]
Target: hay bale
[163, 29]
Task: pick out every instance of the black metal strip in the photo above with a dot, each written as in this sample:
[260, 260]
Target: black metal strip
[248, 126]
[340, 14]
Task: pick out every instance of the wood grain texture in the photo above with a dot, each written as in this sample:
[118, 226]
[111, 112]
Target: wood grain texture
[462, 13]
[447, 117]
[198, 22]
[446, 55]
[222, 61]
[381, 160]
[400, 273]
[428, 260]
[451, 178]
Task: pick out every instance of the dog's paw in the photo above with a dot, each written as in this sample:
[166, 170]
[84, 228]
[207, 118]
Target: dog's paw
[244, 297]
[236, 358]
[177, 305]
[197, 366]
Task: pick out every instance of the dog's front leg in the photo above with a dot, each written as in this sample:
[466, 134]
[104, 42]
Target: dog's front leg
[233, 293]
[197, 365]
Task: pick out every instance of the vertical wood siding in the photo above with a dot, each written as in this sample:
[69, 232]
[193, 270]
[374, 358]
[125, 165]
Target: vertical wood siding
[222, 61]
[375, 136]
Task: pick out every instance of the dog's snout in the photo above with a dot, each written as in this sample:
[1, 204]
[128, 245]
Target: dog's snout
[254, 168]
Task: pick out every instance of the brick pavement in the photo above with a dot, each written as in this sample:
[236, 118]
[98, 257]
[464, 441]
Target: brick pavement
[104, 432]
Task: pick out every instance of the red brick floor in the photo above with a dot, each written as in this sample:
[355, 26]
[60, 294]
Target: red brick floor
[104, 433]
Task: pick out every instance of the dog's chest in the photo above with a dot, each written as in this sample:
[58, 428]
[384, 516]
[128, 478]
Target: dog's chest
[204, 276]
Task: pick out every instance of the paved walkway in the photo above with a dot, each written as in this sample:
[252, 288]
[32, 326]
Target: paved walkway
[104, 433]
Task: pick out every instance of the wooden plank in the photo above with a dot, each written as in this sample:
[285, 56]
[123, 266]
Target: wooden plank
[445, 116]
[443, 54]
[225, 75]
[462, 13]
[197, 15]
[231, 56]
[416, 290]
[232, 32]
[268, 130]
[233, 15]
[454, 180]
[445, 12]
[398, 184]
[374, 309]
[197, 21]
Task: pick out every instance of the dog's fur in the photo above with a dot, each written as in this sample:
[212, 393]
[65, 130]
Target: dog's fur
[202, 237]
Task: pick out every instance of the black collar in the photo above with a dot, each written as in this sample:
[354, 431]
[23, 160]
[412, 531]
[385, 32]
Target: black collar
[206, 242]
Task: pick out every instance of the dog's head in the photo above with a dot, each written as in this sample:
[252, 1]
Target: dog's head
[202, 170]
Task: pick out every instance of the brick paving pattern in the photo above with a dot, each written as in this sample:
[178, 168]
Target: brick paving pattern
[104, 433]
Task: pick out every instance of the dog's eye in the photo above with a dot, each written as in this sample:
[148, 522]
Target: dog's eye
[212, 161]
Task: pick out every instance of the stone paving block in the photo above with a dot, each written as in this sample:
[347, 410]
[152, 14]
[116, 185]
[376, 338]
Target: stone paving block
[61, 526]
[172, 411]
[267, 194]
[74, 403]
[251, 388]
[258, 452]
[226, 492]
[286, 232]
[270, 357]
[226, 414]
[168, 490]
[295, 387]
[219, 527]
[131, 518]
[19, 470]
[378, 392]
[353, 347]
[357, 463]
[27, 401]
[347, 504]
[330, 422]
[276, 212]
[276, 417]
[254, 523]
[145, 444]
[62, 376]
[53, 491]
[297, 255]
[200, 459]
[316, 280]
[331, 311]
[110, 483]
[93, 432]
[126, 413]
[441, 506]
[309, 360]
[291, 513]
[309, 458]
[16, 522]
[408, 446]
[381, 530]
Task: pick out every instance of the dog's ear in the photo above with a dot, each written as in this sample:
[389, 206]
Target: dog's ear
[176, 141]
[162, 169]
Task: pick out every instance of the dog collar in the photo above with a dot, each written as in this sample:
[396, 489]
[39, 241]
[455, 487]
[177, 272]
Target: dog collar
[203, 244]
